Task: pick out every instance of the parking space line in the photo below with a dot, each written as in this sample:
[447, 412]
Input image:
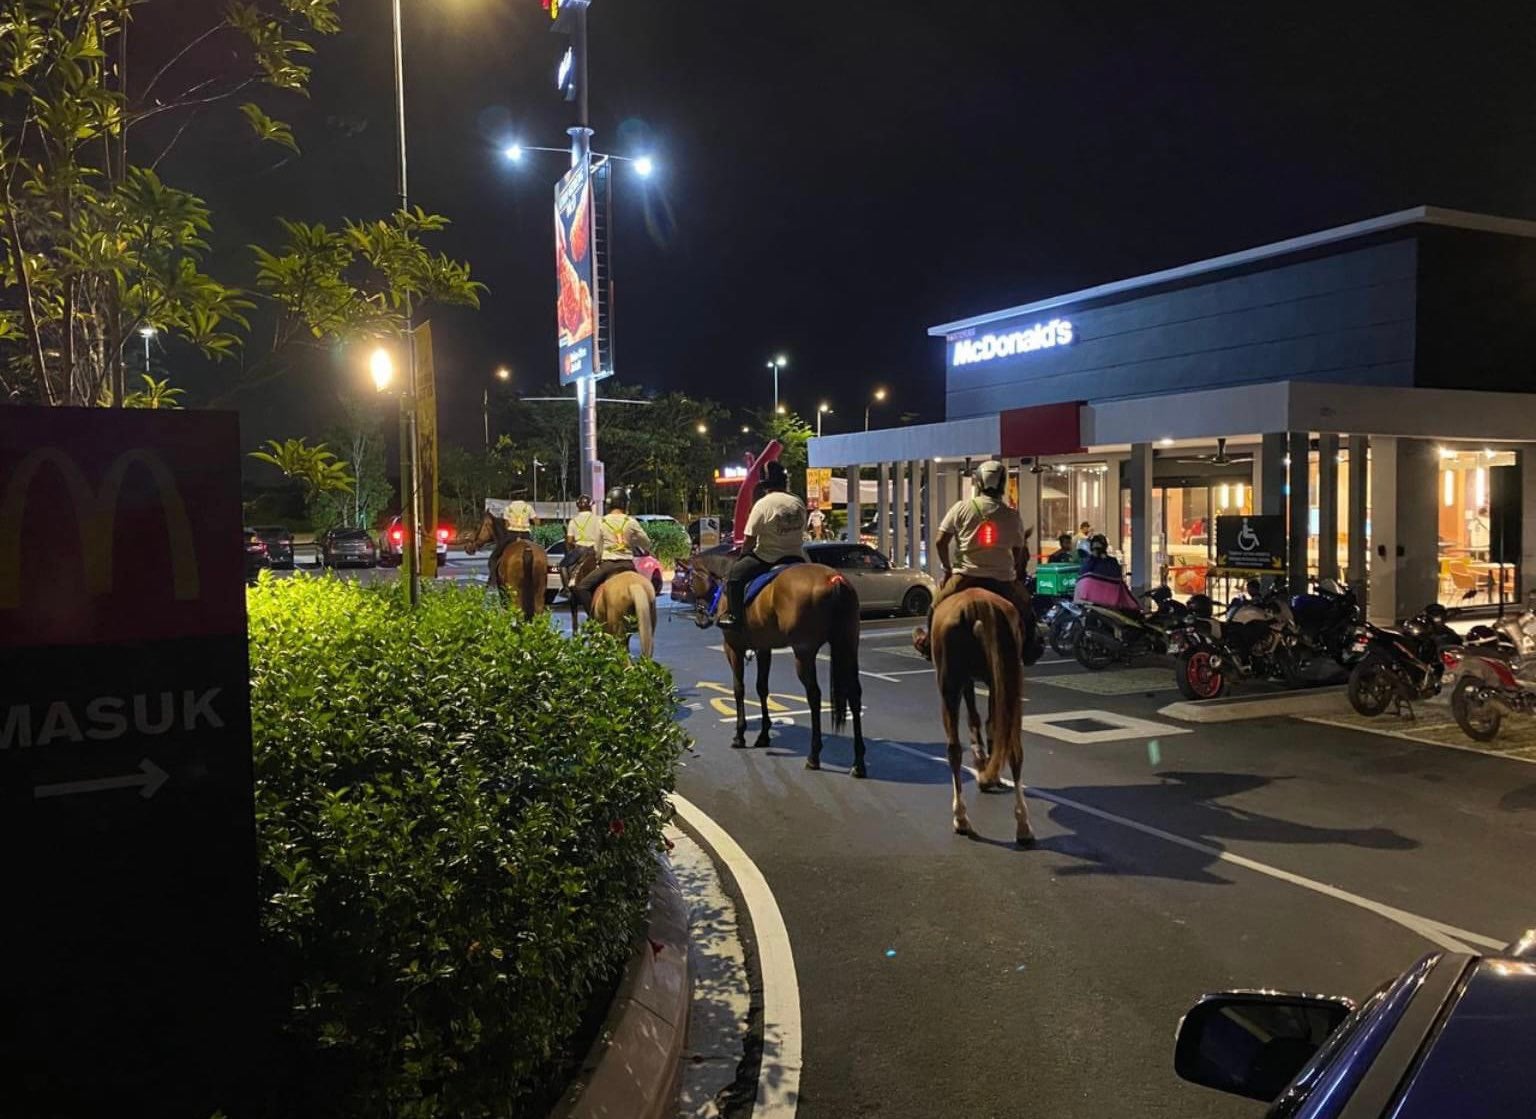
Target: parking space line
[1446, 936]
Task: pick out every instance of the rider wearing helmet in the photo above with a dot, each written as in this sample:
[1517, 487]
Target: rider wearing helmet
[1098, 561]
[619, 536]
[990, 542]
[775, 534]
[583, 535]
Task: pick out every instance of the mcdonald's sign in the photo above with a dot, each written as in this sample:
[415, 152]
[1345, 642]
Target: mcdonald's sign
[126, 788]
[131, 534]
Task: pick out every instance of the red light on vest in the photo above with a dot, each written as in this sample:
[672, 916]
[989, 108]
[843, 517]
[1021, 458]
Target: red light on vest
[986, 535]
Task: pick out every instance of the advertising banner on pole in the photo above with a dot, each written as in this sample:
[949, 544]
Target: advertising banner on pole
[575, 305]
[126, 786]
[818, 487]
[426, 449]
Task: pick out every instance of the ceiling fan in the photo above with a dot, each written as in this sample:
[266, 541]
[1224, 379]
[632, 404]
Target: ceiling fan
[1220, 458]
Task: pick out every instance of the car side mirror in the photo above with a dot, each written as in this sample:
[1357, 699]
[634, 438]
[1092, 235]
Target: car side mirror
[1253, 1043]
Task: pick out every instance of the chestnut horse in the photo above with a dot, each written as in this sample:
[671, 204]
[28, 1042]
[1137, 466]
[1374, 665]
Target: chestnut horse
[622, 596]
[976, 637]
[805, 607]
[523, 566]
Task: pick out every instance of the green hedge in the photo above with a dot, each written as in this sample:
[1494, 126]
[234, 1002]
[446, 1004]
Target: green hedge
[458, 817]
[548, 535]
[669, 540]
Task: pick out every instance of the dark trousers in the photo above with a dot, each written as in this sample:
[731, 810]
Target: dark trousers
[743, 571]
[501, 546]
[594, 579]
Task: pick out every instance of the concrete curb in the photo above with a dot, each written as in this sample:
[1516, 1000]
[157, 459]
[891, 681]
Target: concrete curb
[1232, 709]
[633, 1068]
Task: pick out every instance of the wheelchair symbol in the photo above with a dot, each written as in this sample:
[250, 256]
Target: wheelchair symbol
[1247, 539]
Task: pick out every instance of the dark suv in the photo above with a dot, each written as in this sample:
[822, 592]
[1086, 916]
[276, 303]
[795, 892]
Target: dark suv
[279, 542]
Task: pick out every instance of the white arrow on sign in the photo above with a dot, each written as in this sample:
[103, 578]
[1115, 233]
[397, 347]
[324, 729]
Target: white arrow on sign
[148, 781]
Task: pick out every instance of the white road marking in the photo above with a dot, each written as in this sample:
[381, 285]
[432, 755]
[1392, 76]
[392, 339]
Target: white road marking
[1119, 729]
[1446, 936]
[778, 1073]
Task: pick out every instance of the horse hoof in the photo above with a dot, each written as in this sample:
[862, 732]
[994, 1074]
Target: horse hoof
[858, 771]
[812, 763]
[963, 829]
[762, 742]
[738, 744]
[1024, 840]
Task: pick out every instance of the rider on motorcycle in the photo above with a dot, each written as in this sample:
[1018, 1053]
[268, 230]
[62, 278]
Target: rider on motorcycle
[583, 535]
[1098, 561]
[991, 541]
[619, 536]
[775, 532]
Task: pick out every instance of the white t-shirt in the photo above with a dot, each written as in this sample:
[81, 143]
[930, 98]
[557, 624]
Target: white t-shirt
[978, 550]
[585, 529]
[777, 526]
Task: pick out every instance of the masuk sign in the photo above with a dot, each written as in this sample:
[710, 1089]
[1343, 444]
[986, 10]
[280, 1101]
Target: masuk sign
[125, 764]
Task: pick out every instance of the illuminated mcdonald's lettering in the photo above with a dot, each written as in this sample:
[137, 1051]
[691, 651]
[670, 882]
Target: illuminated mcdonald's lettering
[95, 516]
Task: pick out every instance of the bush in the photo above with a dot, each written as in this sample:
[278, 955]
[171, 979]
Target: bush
[458, 816]
[548, 534]
[669, 541]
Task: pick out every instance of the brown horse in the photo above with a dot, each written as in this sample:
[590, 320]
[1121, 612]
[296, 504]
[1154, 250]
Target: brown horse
[804, 608]
[976, 637]
[622, 596]
[523, 567]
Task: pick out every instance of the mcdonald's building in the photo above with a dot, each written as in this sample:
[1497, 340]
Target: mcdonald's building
[1374, 384]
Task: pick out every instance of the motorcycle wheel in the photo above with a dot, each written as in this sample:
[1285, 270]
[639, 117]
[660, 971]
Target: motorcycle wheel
[1091, 654]
[1370, 687]
[1478, 719]
[1197, 677]
[1063, 635]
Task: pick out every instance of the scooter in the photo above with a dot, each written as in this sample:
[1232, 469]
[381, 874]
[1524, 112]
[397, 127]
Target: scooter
[1106, 634]
[1487, 689]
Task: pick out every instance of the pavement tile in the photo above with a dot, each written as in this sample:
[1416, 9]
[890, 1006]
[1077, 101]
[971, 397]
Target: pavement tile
[1127, 681]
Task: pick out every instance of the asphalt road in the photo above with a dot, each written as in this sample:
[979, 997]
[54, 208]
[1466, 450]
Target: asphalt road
[941, 975]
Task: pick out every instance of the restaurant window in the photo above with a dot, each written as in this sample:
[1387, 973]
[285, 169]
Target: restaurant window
[1469, 574]
[1071, 493]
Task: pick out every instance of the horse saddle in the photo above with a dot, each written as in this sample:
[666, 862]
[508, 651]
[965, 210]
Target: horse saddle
[755, 587]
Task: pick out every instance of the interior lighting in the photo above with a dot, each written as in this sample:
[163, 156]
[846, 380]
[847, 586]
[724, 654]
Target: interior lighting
[1481, 484]
[1448, 488]
[1239, 494]
[1165, 441]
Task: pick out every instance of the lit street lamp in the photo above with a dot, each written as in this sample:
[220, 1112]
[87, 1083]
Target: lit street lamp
[821, 411]
[536, 465]
[147, 333]
[381, 366]
[503, 374]
[878, 399]
[773, 367]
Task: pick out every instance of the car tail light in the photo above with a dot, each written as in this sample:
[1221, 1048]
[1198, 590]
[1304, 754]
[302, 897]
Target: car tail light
[442, 535]
[397, 535]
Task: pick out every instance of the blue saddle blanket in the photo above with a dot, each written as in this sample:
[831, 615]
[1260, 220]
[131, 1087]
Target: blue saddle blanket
[754, 588]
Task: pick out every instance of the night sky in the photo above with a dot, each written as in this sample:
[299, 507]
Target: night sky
[835, 178]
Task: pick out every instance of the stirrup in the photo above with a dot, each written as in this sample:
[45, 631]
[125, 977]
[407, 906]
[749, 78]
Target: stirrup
[728, 621]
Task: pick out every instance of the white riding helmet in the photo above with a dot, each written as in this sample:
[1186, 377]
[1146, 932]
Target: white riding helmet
[991, 477]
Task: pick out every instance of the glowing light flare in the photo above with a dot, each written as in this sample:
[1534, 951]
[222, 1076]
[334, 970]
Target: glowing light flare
[382, 368]
[644, 166]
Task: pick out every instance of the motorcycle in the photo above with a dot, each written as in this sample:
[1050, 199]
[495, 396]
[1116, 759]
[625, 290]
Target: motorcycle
[1327, 622]
[1107, 634]
[1061, 623]
[1487, 689]
[1257, 640]
[1398, 666]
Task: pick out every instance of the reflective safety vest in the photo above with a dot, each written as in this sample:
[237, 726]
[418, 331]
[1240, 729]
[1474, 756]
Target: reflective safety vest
[585, 528]
[615, 536]
[519, 516]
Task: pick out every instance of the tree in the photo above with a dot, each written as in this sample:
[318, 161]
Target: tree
[315, 468]
[154, 394]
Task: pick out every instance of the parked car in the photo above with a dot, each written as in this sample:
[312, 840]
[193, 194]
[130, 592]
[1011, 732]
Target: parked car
[645, 563]
[392, 539]
[1449, 1036]
[348, 547]
[279, 542]
[880, 585]
[255, 555]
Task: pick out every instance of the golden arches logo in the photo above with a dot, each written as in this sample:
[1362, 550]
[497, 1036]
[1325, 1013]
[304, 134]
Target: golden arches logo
[95, 517]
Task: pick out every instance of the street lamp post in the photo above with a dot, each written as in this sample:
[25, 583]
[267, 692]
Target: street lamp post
[409, 467]
[821, 411]
[536, 465]
[773, 367]
[503, 374]
[382, 368]
[879, 398]
[146, 333]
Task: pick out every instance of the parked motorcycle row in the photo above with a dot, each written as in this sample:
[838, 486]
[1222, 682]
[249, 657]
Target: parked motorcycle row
[1266, 634]
[1269, 634]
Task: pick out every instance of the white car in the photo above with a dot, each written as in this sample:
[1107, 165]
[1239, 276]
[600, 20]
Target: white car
[880, 586]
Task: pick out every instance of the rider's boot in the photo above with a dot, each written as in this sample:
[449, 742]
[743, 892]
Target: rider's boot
[920, 643]
[735, 591]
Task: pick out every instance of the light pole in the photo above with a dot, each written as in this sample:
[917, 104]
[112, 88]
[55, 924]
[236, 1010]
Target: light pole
[409, 467]
[536, 465]
[382, 368]
[503, 374]
[879, 398]
[146, 333]
[773, 367]
[821, 410]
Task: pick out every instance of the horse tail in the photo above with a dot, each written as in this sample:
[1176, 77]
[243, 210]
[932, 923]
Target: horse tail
[528, 589]
[999, 641]
[645, 616]
[843, 634]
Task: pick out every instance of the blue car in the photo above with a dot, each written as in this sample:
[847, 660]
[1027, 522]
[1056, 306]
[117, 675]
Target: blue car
[1452, 1036]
